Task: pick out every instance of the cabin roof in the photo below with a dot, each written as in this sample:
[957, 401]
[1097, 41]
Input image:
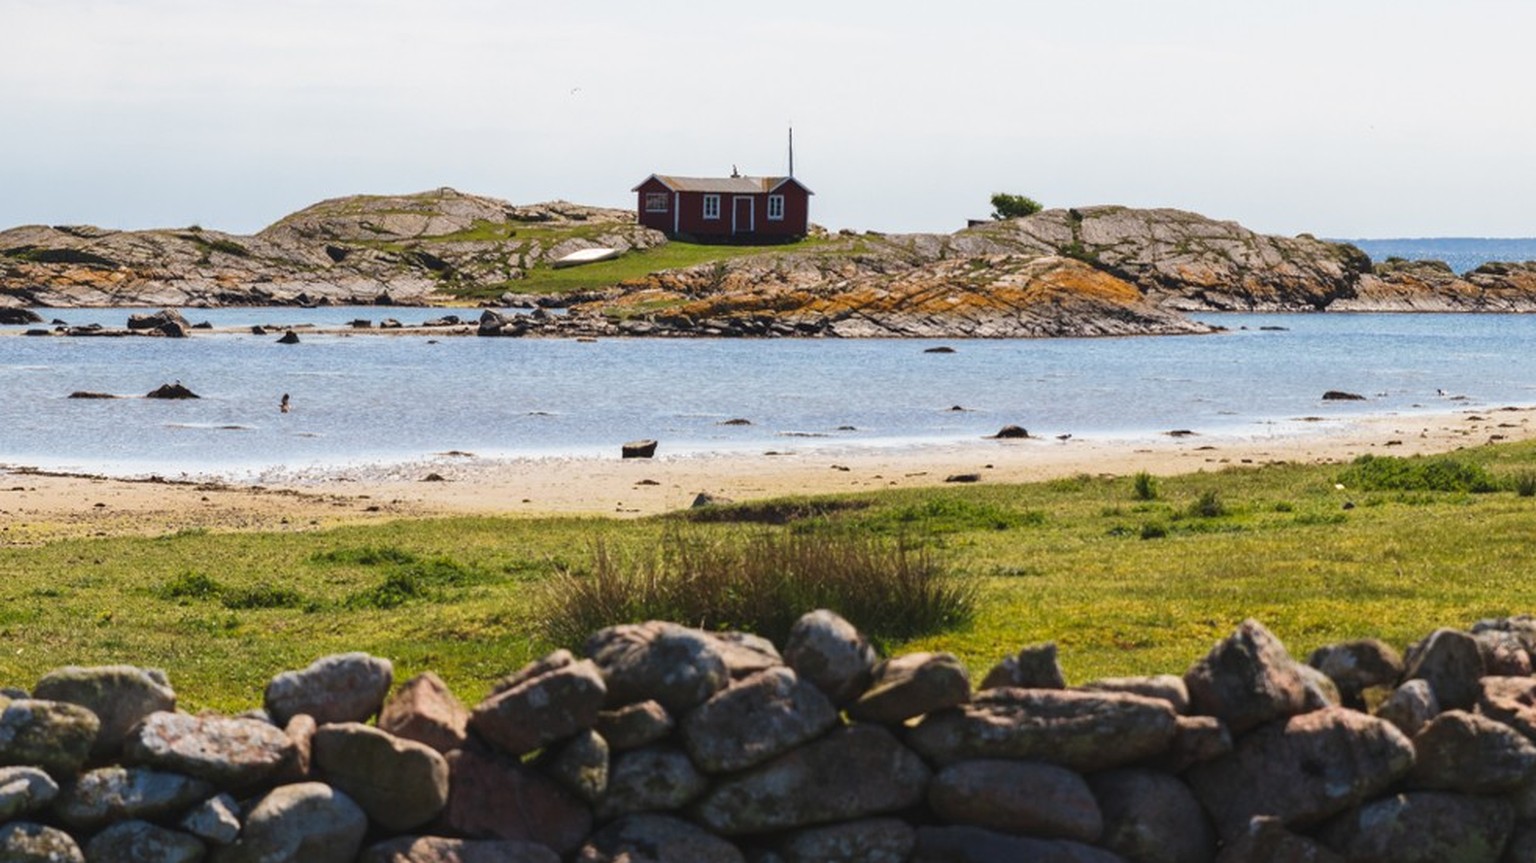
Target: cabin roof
[721, 185]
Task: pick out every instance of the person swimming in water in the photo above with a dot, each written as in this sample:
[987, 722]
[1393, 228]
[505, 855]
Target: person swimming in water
[283, 405]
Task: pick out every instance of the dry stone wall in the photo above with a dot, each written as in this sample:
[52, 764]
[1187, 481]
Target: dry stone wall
[665, 743]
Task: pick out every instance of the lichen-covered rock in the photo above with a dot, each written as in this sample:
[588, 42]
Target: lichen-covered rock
[546, 664]
[109, 794]
[540, 710]
[868, 840]
[656, 839]
[1423, 827]
[1247, 679]
[674, 665]
[1355, 666]
[24, 790]
[1504, 653]
[1302, 769]
[1320, 689]
[226, 751]
[1152, 817]
[1410, 706]
[1083, 731]
[1521, 847]
[1034, 667]
[1460, 751]
[1199, 738]
[441, 849]
[1266, 840]
[756, 719]
[495, 796]
[346, 687]
[51, 735]
[832, 654]
[424, 710]
[851, 773]
[978, 845]
[653, 779]
[580, 764]
[912, 685]
[745, 654]
[300, 731]
[1452, 663]
[307, 822]
[134, 841]
[634, 725]
[24, 842]
[399, 783]
[1510, 700]
[1169, 687]
[119, 695]
[1023, 797]
[215, 820]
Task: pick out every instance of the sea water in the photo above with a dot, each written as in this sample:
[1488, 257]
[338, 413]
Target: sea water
[372, 398]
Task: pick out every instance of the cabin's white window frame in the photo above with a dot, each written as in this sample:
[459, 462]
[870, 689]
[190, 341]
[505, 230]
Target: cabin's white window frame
[711, 206]
[775, 208]
[655, 202]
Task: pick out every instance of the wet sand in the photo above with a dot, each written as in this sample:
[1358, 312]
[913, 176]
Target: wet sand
[35, 507]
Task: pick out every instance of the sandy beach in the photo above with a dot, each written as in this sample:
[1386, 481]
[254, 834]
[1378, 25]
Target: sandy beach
[38, 506]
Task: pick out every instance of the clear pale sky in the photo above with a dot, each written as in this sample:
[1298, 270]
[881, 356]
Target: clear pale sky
[1376, 118]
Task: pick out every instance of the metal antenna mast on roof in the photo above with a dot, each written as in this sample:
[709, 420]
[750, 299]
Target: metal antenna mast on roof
[791, 149]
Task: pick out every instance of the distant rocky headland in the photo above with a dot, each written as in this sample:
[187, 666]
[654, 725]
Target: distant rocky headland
[1103, 270]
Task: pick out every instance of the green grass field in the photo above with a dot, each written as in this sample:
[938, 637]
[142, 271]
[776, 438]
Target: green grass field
[543, 279]
[1124, 584]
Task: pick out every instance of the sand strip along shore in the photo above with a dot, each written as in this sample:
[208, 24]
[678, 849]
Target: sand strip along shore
[37, 506]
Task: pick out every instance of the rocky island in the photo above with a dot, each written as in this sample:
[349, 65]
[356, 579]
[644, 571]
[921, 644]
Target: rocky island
[1089, 271]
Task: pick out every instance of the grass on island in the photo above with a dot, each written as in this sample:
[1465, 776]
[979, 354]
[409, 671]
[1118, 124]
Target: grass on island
[544, 279]
[1128, 574]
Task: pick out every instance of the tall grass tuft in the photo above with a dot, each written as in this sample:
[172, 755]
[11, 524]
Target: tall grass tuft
[1145, 486]
[762, 582]
[1525, 484]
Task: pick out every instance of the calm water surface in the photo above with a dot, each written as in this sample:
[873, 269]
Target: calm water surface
[381, 399]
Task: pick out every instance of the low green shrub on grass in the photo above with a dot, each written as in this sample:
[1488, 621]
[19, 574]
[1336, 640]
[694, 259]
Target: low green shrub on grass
[1208, 505]
[762, 582]
[428, 580]
[1144, 486]
[261, 596]
[1438, 473]
[950, 514]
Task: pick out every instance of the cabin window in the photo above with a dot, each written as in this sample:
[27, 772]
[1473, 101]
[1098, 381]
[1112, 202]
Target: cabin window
[776, 207]
[655, 202]
[711, 206]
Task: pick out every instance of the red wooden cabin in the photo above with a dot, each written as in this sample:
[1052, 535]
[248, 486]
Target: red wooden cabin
[725, 209]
